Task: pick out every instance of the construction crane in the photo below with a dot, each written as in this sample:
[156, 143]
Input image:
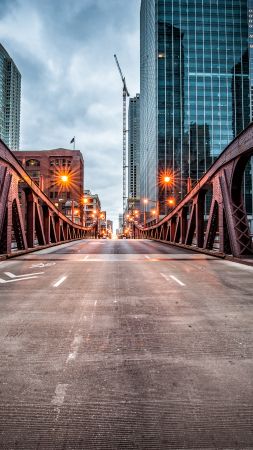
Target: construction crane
[125, 95]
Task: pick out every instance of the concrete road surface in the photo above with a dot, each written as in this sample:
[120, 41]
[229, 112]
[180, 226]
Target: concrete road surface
[125, 345]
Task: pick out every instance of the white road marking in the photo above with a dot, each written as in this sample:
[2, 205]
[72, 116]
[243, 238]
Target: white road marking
[177, 280]
[59, 282]
[146, 256]
[173, 278]
[59, 396]
[86, 257]
[43, 265]
[16, 279]
[164, 276]
[74, 348]
[11, 275]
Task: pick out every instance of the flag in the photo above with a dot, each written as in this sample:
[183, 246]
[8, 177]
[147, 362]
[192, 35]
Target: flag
[72, 140]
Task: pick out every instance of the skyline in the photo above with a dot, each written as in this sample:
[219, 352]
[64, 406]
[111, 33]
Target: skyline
[68, 81]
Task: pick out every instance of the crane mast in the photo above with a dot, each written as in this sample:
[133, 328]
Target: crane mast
[125, 94]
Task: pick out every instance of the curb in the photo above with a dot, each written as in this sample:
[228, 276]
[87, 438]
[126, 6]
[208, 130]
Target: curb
[35, 249]
[209, 253]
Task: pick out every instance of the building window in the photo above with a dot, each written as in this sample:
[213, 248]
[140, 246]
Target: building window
[35, 174]
[32, 163]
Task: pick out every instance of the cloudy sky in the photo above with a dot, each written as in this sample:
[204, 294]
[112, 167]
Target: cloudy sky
[70, 84]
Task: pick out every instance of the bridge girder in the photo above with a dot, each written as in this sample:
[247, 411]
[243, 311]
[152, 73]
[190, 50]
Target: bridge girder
[37, 222]
[187, 225]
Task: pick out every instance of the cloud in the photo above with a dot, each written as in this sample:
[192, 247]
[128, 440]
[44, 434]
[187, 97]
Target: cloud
[70, 84]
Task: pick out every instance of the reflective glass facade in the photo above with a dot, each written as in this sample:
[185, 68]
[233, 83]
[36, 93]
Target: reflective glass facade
[249, 171]
[250, 21]
[194, 87]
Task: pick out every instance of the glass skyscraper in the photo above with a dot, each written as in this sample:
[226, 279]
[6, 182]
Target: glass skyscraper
[10, 90]
[250, 20]
[195, 89]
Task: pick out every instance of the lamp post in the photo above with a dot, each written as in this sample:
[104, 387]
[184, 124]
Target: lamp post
[85, 202]
[168, 181]
[145, 201]
[64, 179]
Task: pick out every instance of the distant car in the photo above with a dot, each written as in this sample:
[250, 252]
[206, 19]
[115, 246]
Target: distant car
[104, 237]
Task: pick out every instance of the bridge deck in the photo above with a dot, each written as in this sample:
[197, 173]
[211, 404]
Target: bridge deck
[125, 345]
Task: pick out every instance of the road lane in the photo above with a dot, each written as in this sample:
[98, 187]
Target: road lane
[118, 356]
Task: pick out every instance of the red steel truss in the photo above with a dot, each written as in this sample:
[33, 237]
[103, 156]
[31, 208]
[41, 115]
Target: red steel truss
[38, 222]
[224, 228]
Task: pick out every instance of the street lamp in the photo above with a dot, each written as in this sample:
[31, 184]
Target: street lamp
[85, 203]
[145, 201]
[171, 202]
[64, 178]
[168, 180]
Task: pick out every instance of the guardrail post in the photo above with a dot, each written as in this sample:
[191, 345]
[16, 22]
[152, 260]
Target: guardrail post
[57, 229]
[183, 225]
[200, 208]
[30, 231]
[47, 220]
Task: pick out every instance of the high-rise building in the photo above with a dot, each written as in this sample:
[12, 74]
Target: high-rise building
[121, 223]
[194, 96]
[10, 91]
[249, 178]
[134, 153]
[250, 23]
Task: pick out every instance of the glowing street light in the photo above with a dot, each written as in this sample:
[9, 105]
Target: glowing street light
[167, 179]
[64, 178]
[171, 202]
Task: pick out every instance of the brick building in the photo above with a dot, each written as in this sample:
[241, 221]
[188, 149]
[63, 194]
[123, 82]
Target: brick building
[92, 208]
[60, 175]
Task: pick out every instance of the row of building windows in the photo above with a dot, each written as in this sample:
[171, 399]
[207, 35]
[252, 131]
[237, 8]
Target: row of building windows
[63, 195]
[60, 162]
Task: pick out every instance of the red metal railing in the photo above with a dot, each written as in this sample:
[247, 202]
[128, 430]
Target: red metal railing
[193, 224]
[37, 222]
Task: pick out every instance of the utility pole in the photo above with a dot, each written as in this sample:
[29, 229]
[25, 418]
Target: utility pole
[125, 95]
